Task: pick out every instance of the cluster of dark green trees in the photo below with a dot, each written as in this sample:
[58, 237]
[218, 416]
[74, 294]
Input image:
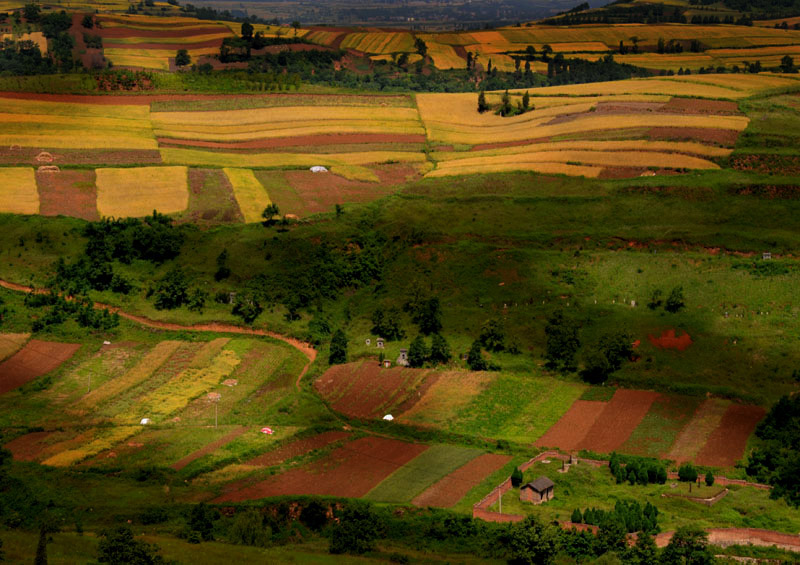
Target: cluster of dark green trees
[637, 471]
[240, 48]
[630, 514]
[56, 310]
[777, 460]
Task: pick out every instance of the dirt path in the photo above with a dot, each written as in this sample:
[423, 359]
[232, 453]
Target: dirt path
[301, 346]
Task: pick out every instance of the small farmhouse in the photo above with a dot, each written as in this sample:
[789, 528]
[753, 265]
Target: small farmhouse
[538, 491]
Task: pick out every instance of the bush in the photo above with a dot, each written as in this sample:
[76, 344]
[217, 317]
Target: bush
[516, 477]
[709, 479]
[687, 473]
[248, 529]
[356, 531]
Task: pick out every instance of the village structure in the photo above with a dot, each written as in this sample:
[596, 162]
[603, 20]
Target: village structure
[538, 491]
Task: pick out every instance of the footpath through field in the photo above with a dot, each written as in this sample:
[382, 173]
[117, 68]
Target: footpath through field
[305, 348]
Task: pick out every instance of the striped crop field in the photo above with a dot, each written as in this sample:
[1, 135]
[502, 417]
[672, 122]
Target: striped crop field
[178, 41]
[18, 191]
[196, 158]
[445, 57]
[11, 343]
[379, 42]
[59, 125]
[136, 192]
[157, 59]
[251, 196]
[326, 38]
[107, 438]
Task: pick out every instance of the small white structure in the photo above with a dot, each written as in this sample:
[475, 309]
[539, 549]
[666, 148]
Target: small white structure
[267, 430]
[379, 343]
[402, 360]
[368, 341]
[145, 421]
[388, 417]
[318, 169]
[766, 256]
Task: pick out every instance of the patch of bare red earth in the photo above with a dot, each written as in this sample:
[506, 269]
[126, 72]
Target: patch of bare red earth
[573, 426]
[91, 58]
[68, 193]
[726, 444]
[37, 358]
[298, 448]
[362, 390]
[122, 32]
[621, 415]
[700, 106]
[28, 447]
[725, 537]
[349, 471]
[670, 339]
[298, 141]
[209, 448]
[27, 156]
[722, 137]
[449, 490]
[166, 46]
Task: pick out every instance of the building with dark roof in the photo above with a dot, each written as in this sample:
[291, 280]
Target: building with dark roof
[538, 491]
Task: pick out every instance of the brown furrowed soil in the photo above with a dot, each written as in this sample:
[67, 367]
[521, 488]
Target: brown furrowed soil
[165, 46]
[28, 447]
[697, 431]
[211, 447]
[449, 490]
[298, 448]
[37, 358]
[573, 426]
[121, 32]
[68, 193]
[619, 418]
[723, 137]
[27, 156]
[726, 444]
[701, 106]
[350, 471]
[211, 198]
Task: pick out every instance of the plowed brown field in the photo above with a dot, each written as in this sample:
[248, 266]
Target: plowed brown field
[68, 193]
[617, 420]
[449, 490]
[573, 426]
[297, 448]
[28, 447]
[34, 360]
[726, 444]
[350, 471]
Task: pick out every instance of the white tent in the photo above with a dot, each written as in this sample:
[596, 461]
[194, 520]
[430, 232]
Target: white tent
[145, 421]
[388, 417]
[318, 169]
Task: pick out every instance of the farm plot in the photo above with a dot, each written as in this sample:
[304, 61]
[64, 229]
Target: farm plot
[138, 191]
[446, 397]
[351, 470]
[18, 192]
[37, 358]
[68, 193]
[11, 343]
[695, 434]
[726, 444]
[65, 125]
[365, 390]
[421, 472]
[573, 426]
[618, 419]
[250, 195]
[455, 486]
[660, 427]
[298, 448]
[379, 42]
[211, 198]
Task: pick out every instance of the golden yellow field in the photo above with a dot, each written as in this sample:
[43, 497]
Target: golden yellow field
[108, 437]
[37, 37]
[11, 343]
[251, 196]
[136, 192]
[18, 191]
[379, 42]
[196, 158]
[178, 41]
[157, 59]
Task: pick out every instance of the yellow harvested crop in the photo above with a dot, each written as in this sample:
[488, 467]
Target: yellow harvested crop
[136, 192]
[250, 194]
[18, 191]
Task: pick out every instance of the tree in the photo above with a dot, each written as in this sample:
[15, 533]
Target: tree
[688, 546]
[356, 531]
[182, 58]
[421, 47]
[172, 291]
[612, 535]
[505, 104]
[576, 517]
[687, 473]
[596, 366]
[606, 357]
[41, 548]
[709, 479]
[247, 30]
[314, 515]
[429, 316]
[88, 21]
[201, 520]
[675, 301]
[655, 300]
[418, 352]
[338, 350]
[248, 529]
[475, 360]
[386, 324]
[787, 64]
[482, 105]
[31, 12]
[269, 214]
[197, 300]
[223, 272]
[493, 335]
[644, 551]
[296, 26]
[516, 477]
[440, 350]
[562, 342]
[247, 307]
[118, 546]
[532, 542]
[546, 51]
[526, 102]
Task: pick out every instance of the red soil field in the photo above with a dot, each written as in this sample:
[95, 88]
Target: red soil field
[172, 31]
[34, 360]
[366, 390]
[618, 420]
[297, 448]
[211, 447]
[723, 137]
[621, 172]
[700, 106]
[573, 426]
[350, 471]
[669, 340]
[726, 444]
[27, 156]
[28, 447]
[482, 146]
[299, 141]
[68, 193]
[449, 490]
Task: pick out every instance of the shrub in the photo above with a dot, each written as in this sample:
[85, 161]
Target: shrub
[516, 477]
[687, 473]
[248, 529]
[709, 479]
